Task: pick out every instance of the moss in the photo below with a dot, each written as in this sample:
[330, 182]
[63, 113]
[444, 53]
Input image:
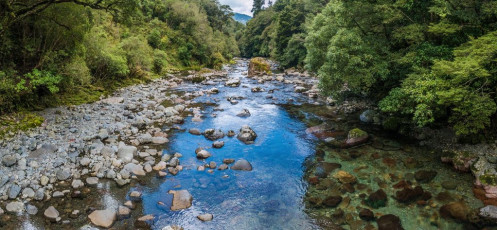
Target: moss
[22, 121]
[355, 133]
[375, 203]
[198, 79]
[260, 65]
[487, 179]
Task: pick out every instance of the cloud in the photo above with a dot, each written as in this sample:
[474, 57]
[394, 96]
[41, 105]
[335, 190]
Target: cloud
[239, 6]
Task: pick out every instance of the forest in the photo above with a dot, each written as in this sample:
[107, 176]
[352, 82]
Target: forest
[423, 63]
[73, 51]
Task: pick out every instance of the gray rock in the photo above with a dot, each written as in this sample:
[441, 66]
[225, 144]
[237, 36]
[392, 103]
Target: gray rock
[218, 144]
[195, 131]
[14, 191]
[3, 179]
[145, 138]
[63, 174]
[40, 195]
[45, 150]
[242, 165]
[123, 212]
[31, 209]
[247, 135]
[57, 194]
[92, 181]
[203, 154]
[51, 213]
[489, 211]
[15, 207]
[28, 192]
[9, 160]
[126, 153]
[174, 162]
[77, 184]
[244, 113]
[213, 134]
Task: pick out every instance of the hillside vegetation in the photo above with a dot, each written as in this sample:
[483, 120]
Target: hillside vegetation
[66, 52]
[426, 63]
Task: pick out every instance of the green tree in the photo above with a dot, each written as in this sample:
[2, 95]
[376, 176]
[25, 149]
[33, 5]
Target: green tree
[257, 6]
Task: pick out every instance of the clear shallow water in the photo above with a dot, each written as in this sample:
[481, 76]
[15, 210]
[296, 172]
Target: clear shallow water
[269, 197]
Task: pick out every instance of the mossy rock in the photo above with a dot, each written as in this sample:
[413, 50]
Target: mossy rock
[488, 179]
[357, 133]
[259, 66]
[22, 121]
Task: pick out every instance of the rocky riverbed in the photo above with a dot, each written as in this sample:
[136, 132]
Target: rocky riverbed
[186, 150]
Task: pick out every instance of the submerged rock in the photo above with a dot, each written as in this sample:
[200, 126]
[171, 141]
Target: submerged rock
[425, 176]
[455, 210]
[144, 222]
[103, 218]
[345, 177]
[356, 137]
[242, 165]
[389, 222]
[332, 201]
[51, 213]
[182, 199]
[377, 199]
[366, 214]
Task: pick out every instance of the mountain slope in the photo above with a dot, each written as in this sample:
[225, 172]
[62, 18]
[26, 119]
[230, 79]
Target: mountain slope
[243, 18]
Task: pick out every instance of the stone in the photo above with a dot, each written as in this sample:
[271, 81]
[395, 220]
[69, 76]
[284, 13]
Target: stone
[345, 177]
[425, 176]
[44, 180]
[195, 131]
[408, 195]
[228, 161]
[85, 161]
[123, 212]
[223, 167]
[449, 185]
[51, 213]
[39, 195]
[205, 217]
[31, 209]
[14, 207]
[57, 194]
[455, 210]
[144, 222]
[77, 184]
[159, 140]
[75, 214]
[63, 174]
[356, 137]
[9, 160]
[103, 218]
[244, 113]
[92, 181]
[14, 191]
[369, 116]
[212, 165]
[332, 201]
[366, 214]
[129, 204]
[377, 199]
[135, 195]
[203, 154]
[231, 133]
[242, 165]
[160, 166]
[247, 135]
[126, 153]
[489, 212]
[182, 199]
[145, 138]
[218, 144]
[389, 222]
[213, 134]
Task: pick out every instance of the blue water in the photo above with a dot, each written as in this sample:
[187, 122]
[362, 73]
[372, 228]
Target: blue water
[268, 197]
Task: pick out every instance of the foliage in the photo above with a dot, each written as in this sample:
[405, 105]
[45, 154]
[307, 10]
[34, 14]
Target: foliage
[51, 51]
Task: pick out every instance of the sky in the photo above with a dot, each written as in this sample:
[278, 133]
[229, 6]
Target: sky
[239, 6]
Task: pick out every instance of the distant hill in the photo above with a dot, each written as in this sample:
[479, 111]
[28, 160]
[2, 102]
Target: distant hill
[243, 18]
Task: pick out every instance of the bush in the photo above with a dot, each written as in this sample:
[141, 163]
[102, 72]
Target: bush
[76, 72]
[160, 61]
[138, 53]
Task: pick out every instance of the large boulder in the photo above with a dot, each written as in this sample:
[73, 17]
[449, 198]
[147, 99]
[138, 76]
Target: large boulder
[126, 153]
[247, 135]
[258, 66]
[213, 134]
[356, 137]
[182, 199]
[103, 218]
[242, 165]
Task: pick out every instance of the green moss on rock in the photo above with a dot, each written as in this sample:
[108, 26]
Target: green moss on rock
[488, 179]
[356, 133]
